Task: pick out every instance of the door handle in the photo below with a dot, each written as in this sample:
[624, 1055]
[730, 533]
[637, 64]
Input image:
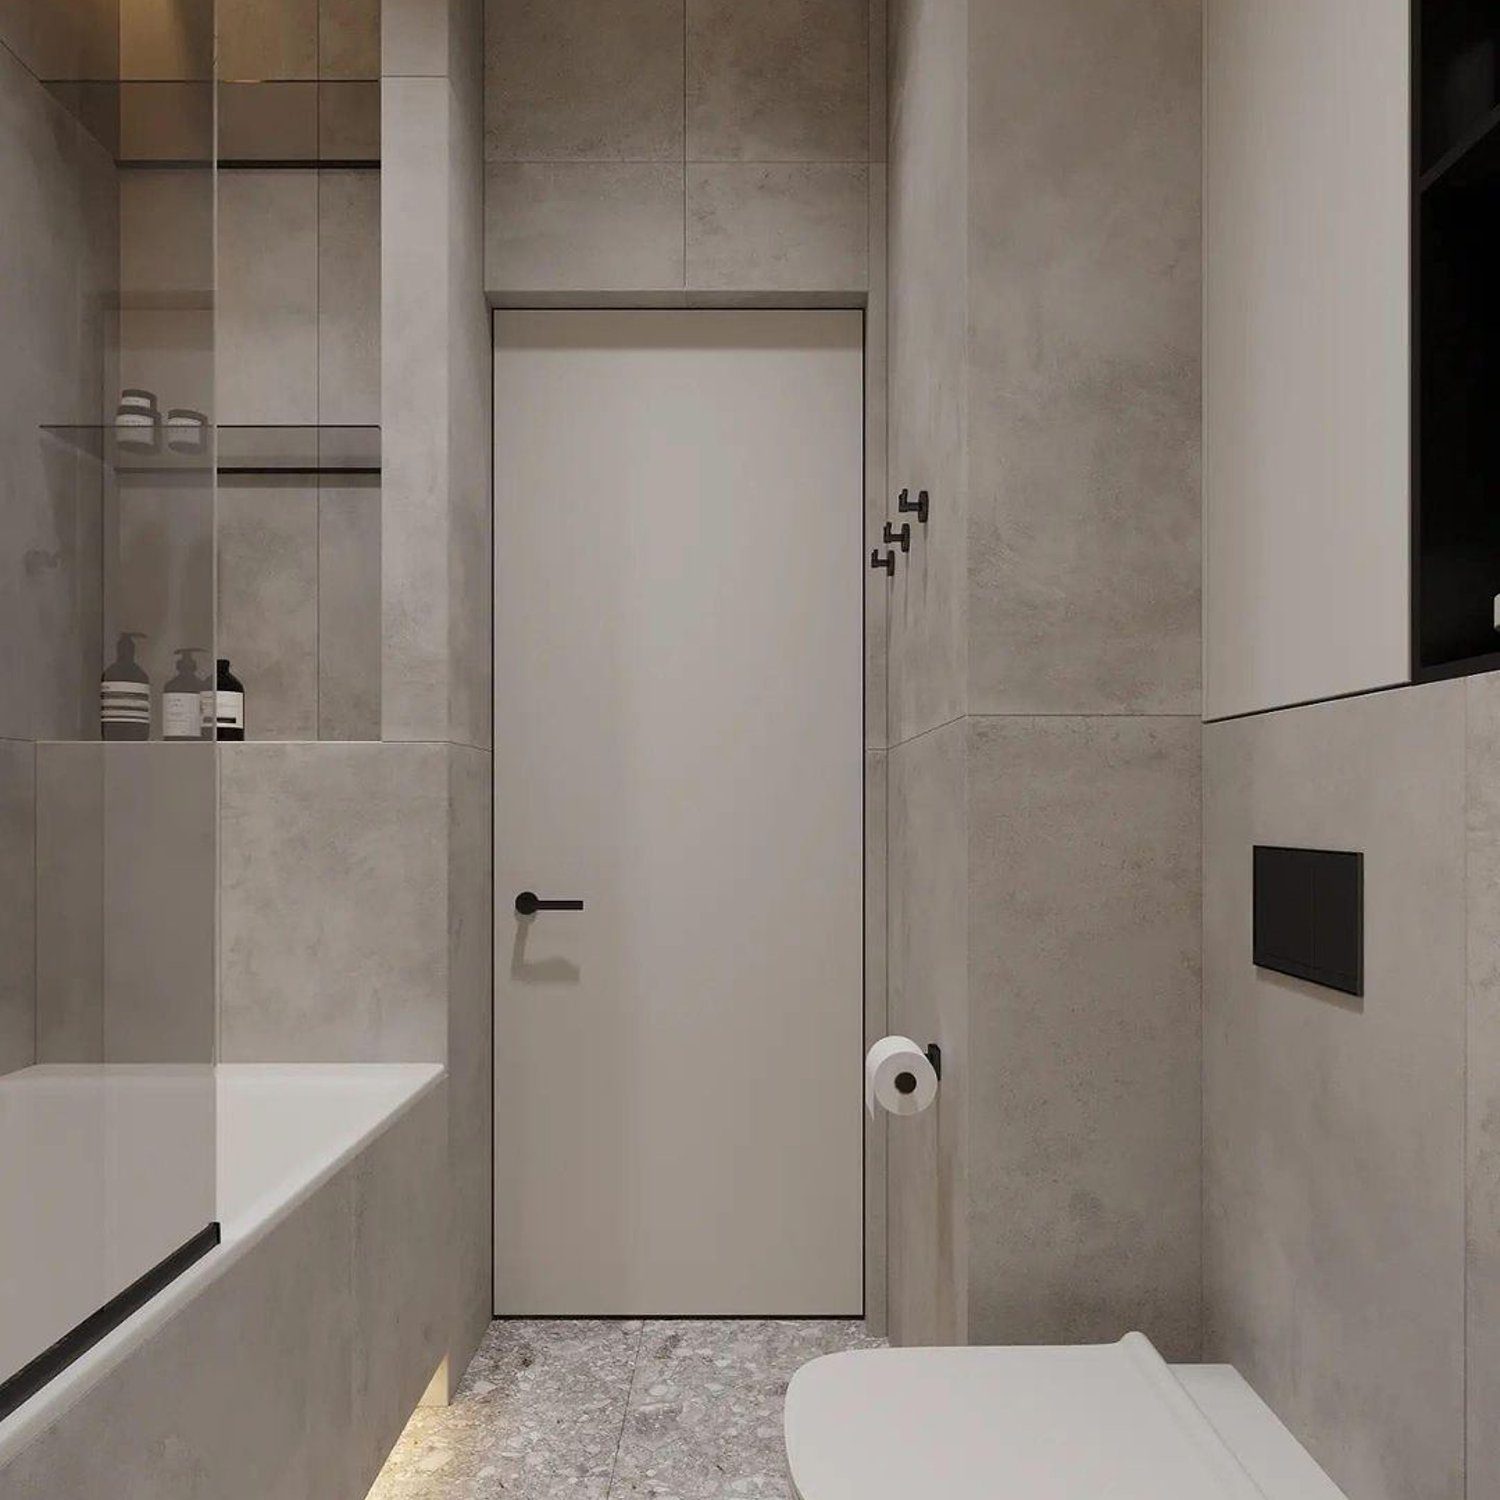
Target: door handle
[528, 904]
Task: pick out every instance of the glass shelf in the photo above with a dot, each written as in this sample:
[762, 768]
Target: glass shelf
[259, 449]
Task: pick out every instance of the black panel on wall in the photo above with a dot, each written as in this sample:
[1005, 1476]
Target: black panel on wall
[1309, 915]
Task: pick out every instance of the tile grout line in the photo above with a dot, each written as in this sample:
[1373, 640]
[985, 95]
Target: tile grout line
[614, 1466]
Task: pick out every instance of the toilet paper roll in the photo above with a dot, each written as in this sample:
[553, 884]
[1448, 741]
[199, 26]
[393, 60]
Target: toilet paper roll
[898, 1077]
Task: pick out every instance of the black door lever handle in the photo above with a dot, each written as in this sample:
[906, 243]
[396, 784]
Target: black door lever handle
[528, 904]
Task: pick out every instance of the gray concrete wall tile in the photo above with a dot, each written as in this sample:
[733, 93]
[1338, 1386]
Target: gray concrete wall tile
[1084, 1058]
[1333, 1127]
[783, 81]
[333, 903]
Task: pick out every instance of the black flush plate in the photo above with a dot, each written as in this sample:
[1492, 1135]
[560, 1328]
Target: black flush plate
[1309, 915]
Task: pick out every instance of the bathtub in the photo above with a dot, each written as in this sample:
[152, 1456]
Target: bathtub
[310, 1162]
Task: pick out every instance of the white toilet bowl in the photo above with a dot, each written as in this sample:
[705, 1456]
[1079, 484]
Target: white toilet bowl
[1075, 1423]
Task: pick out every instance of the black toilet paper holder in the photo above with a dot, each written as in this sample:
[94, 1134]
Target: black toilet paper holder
[906, 1082]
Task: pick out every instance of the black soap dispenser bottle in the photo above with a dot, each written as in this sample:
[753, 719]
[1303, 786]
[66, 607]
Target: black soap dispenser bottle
[229, 696]
[182, 699]
[125, 694]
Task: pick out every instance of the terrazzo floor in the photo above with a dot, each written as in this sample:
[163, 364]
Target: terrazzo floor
[615, 1410]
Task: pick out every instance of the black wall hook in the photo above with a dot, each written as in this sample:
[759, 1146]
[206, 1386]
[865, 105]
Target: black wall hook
[903, 536]
[888, 562]
[908, 506]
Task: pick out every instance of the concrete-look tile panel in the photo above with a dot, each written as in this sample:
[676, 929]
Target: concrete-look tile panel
[779, 228]
[879, 78]
[471, 437]
[926, 215]
[401, 1236]
[267, 301]
[1483, 1121]
[1084, 340]
[1334, 1128]
[1084, 839]
[928, 1001]
[260, 39]
[333, 903]
[877, 1019]
[583, 227]
[877, 496]
[583, 80]
[18, 909]
[268, 601]
[414, 356]
[470, 1087]
[349, 38]
[415, 38]
[782, 81]
[159, 862]
[70, 902]
[348, 322]
[349, 610]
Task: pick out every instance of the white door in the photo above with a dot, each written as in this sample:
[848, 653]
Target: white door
[678, 744]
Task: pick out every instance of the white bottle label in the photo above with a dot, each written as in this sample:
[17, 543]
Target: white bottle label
[125, 702]
[206, 712]
[182, 716]
[231, 710]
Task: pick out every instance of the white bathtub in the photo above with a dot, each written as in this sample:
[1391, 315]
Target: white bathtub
[282, 1131]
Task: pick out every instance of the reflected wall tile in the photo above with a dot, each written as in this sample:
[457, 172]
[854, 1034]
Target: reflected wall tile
[588, 80]
[349, 38]
[159, 571]
[268, 596]
[18, 908]
[264, 39]
[267, 319]
[349, 122]
[782, 81]
[348, 298]
[349, 610]
[57, 253]
[70, 902]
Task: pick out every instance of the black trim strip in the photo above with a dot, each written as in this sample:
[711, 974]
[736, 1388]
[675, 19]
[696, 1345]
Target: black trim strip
[307, 468]
[30, 1378]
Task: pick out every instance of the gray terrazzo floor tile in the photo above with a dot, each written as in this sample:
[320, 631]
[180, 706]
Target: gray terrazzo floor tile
[595, 1409]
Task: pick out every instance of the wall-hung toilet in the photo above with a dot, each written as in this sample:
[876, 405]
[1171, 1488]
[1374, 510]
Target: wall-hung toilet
[1071, 1423]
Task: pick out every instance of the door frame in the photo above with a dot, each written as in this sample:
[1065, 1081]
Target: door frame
[875, 1001]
